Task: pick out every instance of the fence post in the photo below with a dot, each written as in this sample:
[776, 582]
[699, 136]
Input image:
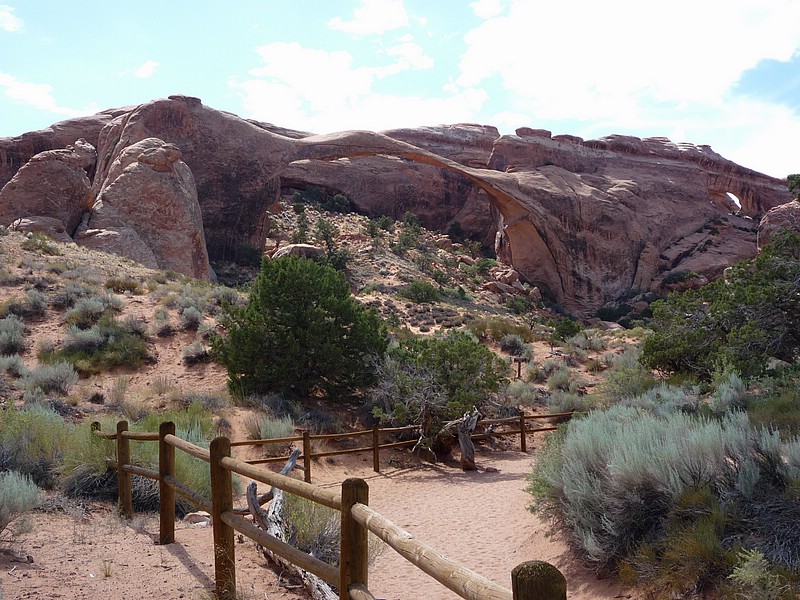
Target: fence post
[307, 456]
[221, 502]
[166, 493]
[123, 477]
[523, 443]
[538, 580]
[376, 449]
[353, 549]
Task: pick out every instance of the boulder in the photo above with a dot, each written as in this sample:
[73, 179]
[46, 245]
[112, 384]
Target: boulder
[304, 250]
[51, 227]
[53, 184]
[785, 216]
[147, 210]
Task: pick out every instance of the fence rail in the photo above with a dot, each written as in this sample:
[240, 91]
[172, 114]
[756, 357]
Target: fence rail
[532, 580]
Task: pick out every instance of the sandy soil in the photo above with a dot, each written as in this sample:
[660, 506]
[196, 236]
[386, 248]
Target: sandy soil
[478, 518]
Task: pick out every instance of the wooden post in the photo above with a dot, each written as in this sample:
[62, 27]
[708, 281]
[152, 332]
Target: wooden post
[523, 443]
[221, 502]
[376, 449]
[307, 456]
[538, 580]
[123, 477]
[166, 493]
[353, 550]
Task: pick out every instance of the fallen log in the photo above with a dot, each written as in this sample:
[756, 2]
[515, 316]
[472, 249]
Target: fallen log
[463, 429]
[273, 522]
[291, 463]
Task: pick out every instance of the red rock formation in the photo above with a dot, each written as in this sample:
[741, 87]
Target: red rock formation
[147, 210]
[785, 216]
[53, 184]
[587, 222]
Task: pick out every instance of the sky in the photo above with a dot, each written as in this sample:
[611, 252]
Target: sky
[720, 72]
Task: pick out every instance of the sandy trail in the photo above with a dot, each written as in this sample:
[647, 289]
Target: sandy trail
[478, 518]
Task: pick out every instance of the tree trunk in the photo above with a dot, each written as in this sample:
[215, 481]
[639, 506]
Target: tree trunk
[463, 429]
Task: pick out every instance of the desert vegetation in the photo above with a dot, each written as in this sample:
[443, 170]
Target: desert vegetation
[681, 477]
[678, 473]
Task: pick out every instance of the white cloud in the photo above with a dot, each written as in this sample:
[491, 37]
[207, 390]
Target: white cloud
[373, 17]
[612, 53]
[486, 9]
[146, 69]
[9, 22]
[36, 95]
[323, 91]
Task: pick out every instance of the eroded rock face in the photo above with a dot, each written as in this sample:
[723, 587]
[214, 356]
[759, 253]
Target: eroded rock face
[587, 222]
[147, 210]
[52, 184]
[786, 216]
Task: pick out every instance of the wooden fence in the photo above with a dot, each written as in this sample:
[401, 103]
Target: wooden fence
[532, 580]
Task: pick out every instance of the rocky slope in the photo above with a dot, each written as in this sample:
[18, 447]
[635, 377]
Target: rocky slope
[587, 222]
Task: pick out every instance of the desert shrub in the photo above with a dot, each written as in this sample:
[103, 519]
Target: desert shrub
[496, 329]
[669, 494]
[18, 494]
[70, 294]
[86, 312]
[13, 365]
[587, 340]
[274, 404]
[565, 328]
[58, 377]
[190, 318]
[124, 284]
[519, 305]
[430, 380]
[119, 388]
[520, 392]
[33, 306]
[515, 345]
[208, 400]
[163, 326]
[134, 326]
[31, 441]
[162, 384]
[419, 291]
[195, 353]
[560, 402]
[266, 427]
[626, 377]
[755, 577]
[11, 335]
[561, 379]
[730, 393]
[663, 399]
[40, 243]
[102, 347]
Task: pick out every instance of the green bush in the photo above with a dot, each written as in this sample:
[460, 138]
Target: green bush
[626, 377]
[740, 320]
[515, 345]
[33, 306]
[430, 380]
[102, 347]
[419, 291]
[18, 494]
[302, 317]
[195, 353]
[124, 284]
[565, 329]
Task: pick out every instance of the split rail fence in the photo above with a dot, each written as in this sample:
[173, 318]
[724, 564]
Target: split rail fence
[532, 580]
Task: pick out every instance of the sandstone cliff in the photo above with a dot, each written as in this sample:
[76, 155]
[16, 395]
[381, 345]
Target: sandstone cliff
[588, 222]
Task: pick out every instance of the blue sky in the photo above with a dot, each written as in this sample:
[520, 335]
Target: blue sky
[723, 73]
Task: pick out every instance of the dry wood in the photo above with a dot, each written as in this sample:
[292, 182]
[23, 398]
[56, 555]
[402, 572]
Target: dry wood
[221, 502]
[141, 471]
[123, 477]
[166, 492]
[463, 428]
[285, 440]
[319, 495]
[142, 436]
[353, 553]
[360, 592]
[293, 560]
[254, 501]
[187, 447]
[538, 580]
[453, 575]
